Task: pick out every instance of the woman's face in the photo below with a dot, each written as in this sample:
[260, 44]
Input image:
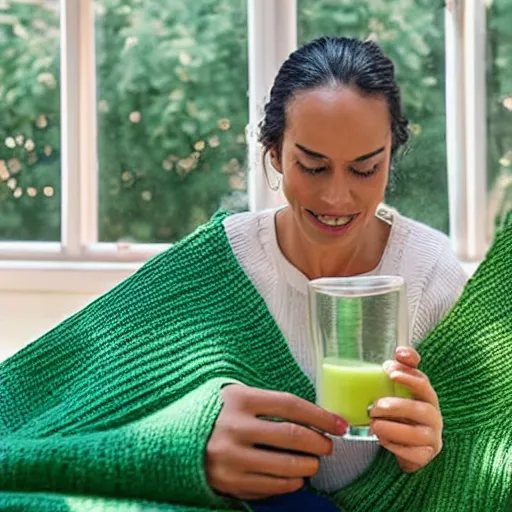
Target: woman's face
[334, 161]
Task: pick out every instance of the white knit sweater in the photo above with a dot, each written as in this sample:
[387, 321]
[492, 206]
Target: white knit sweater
[422, 255]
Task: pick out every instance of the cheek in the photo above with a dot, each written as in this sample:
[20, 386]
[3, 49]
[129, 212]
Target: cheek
[379, 184]
[296, 186]
[382, 181]
[375, 188]
[291, 189]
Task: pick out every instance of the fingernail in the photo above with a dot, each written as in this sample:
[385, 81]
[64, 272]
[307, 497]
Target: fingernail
[402, 352]
[370, 408]
[341, 426]
[387, 364]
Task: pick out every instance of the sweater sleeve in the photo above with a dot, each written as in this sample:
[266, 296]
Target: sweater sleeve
[442, 289]
[169, 468]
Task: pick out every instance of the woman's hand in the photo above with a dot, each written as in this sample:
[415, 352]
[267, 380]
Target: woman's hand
[248, 457]
[411, 429]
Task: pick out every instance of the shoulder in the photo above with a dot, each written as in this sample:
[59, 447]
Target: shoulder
[244, 219]
[423, 238]
[248, 228]
[423, 249]
[434, 275]
[251, 236]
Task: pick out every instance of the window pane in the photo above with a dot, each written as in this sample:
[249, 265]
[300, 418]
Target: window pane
[499, 106]
[411, 33]
[30, 121]
[172, 110]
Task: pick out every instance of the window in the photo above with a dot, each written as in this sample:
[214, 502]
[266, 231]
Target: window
[149, 124]
[499, 108]
[30, 122]
[171, 110]
[412, 34]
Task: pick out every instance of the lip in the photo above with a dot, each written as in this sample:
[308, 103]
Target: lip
[333, 230]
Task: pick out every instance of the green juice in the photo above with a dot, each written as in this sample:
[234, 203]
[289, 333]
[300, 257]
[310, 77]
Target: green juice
[350, 386]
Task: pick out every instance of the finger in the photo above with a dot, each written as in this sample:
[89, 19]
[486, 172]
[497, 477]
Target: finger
[249, 486]
[286, 406]
[279, 464]
[392, 365]
[414, 457]
[418, 383]
[408, 356]
[403, 434]
[287, 436]
[408, 411]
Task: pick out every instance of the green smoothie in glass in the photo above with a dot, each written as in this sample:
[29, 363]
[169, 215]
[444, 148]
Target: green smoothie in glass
[356, 325]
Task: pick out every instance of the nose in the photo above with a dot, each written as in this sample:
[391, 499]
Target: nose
[338, 193]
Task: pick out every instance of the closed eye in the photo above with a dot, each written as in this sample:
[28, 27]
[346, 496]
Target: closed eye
[311, 170]
[367, 173]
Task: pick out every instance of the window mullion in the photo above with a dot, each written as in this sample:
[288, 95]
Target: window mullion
[475, 127]
[88, 126]
[278, 22]
[70, 103]
[78, 207]
[455, 122]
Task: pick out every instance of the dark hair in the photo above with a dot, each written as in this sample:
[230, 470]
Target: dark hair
[329, 62]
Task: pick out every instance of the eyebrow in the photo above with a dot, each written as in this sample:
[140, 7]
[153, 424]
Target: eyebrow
[361, 158]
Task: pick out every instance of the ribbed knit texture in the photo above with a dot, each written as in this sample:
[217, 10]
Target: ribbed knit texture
[421, 255]
[112, 409]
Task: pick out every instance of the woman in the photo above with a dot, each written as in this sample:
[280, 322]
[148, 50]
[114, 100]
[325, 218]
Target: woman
[333, 127]
[159, 395]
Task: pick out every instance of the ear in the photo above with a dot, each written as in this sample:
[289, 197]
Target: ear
[275, 160]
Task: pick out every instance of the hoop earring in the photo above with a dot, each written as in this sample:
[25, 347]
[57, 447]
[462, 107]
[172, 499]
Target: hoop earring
[277, 184]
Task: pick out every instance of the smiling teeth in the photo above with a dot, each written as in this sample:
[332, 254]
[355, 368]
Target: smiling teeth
[334, 221]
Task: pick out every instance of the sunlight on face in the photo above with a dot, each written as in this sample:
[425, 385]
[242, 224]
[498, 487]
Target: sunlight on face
[335, 159]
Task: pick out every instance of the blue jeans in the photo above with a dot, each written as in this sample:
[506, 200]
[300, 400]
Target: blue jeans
[303, 500]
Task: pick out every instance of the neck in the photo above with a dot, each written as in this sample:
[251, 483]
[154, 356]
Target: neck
[314, 261]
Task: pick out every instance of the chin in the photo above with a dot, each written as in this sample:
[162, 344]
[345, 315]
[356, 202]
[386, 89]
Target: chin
[331, 241]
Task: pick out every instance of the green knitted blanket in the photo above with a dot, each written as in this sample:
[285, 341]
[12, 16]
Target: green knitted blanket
[112, 409]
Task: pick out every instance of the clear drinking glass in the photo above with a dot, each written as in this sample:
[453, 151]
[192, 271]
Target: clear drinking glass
[356, 324]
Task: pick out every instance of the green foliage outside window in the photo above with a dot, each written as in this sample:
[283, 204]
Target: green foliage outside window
[172, 109]
[29, 124]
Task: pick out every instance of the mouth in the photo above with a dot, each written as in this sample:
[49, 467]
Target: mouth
[333, 221]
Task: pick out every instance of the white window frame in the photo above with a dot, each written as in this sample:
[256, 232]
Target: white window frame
[80, 264]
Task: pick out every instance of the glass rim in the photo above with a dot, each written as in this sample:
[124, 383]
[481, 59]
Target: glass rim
[357, 285]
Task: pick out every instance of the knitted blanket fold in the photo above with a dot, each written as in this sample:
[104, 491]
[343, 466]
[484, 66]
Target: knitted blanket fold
[112, 409]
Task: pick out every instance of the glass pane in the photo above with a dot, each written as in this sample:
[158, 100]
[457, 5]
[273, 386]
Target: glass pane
[30, 121]
[499, 107]
[172, 110]
[411, 33]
